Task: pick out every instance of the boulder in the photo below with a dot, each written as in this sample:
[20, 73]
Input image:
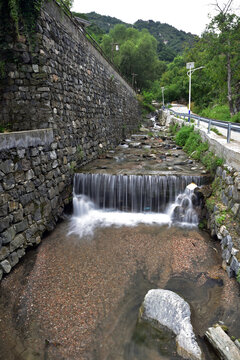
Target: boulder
[164, 308]
[222, 343]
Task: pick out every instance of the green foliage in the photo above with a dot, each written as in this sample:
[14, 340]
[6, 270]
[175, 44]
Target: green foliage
[210, 203]
[183, 135]
[218, 112]
[216, 131]
[193, 142]
[221, 217]
[137, 55]
[236, 118]
[170, 41]
[14, 13]
[193, 145]
[173, 128]
[211, 162]
[200, 150]
[22, 14]
[65, 3]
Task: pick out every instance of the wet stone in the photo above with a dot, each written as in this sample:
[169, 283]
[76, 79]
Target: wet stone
[6, 267]
[13, 259]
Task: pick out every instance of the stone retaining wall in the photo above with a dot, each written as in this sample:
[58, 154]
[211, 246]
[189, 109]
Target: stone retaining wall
[224, 217]
[75, 106]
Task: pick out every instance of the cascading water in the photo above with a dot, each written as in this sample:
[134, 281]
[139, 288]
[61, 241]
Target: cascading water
[101, 200]
[182, 210]
[132, 193]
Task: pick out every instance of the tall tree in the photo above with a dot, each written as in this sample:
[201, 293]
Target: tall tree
[224, 40]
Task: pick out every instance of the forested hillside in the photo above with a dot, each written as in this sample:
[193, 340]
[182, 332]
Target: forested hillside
[170, 40]
[152, 55]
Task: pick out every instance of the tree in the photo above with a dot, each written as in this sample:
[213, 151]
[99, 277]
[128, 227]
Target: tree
[137, 56]
[224, 38]
[67, 3]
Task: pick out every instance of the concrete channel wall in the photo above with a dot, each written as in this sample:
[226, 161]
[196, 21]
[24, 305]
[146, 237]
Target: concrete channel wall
[227, 182]
[66, 105]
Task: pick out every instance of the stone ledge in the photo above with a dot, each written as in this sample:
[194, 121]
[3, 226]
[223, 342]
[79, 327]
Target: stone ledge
[25, 139]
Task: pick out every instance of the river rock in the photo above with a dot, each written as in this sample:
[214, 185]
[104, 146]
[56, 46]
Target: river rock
[164, 308]
[224, 346]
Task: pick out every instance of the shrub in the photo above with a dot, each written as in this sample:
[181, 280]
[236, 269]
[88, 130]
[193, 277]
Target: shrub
[236, 118]
[218, 112]
[174, 128]
[183, 134]
[200, 150]
[211, 162]
[192, 143]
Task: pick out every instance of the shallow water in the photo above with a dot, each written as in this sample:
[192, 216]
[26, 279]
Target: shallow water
[78, 298]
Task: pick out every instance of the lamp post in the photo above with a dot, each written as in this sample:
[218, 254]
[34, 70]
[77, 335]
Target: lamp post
[191, 69]
[115, 47]
[162, 95]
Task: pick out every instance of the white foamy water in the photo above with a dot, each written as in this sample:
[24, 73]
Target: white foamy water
[86, 217]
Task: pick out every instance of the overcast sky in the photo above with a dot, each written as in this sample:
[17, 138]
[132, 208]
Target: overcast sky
[188, 15]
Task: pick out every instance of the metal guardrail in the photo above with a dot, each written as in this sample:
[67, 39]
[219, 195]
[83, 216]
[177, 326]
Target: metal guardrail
[211, 122]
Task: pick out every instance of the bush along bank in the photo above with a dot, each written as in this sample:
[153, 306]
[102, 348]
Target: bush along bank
[192, 143]
[221, 212]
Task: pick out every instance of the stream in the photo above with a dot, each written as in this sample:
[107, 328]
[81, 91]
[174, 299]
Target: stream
[77, 295]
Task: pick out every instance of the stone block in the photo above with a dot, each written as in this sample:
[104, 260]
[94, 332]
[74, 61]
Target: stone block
[17, 242]
[13, 259]
[235, 208]
[20, 253]
[8, 182]
[3, 210]
[8, 235]
[224, 174]
[6, 267]
[4, 223]
[7, 166]
[219, 171]
[30, 174]
[235, 265]
[4, 252]
[230, 272]
[17, 215]
[226, 255]
[13, 205]
[1, 274]
[21, 226]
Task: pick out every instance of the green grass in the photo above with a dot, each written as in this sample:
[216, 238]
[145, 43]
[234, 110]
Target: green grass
[183, 135]
[215, 130]
[192, 143]
[220, 112]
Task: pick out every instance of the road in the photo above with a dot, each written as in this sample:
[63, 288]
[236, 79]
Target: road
[235, 137]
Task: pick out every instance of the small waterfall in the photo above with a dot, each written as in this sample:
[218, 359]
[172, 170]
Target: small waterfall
[106, 200]
[132, 193]
[182, 210]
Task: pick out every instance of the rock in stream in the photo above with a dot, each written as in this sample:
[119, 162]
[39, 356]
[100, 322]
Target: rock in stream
[164, 308]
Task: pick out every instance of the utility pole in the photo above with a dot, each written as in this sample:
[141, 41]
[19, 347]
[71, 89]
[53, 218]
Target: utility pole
[133, 79]
[115, 47]
[163, 96]
[190, 67]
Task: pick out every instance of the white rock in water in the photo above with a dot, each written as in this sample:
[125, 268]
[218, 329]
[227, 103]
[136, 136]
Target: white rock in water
[192, 186]
[168, 309]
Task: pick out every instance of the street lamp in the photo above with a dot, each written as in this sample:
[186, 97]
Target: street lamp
[191, 69]
[115, 47]
[162, 95]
